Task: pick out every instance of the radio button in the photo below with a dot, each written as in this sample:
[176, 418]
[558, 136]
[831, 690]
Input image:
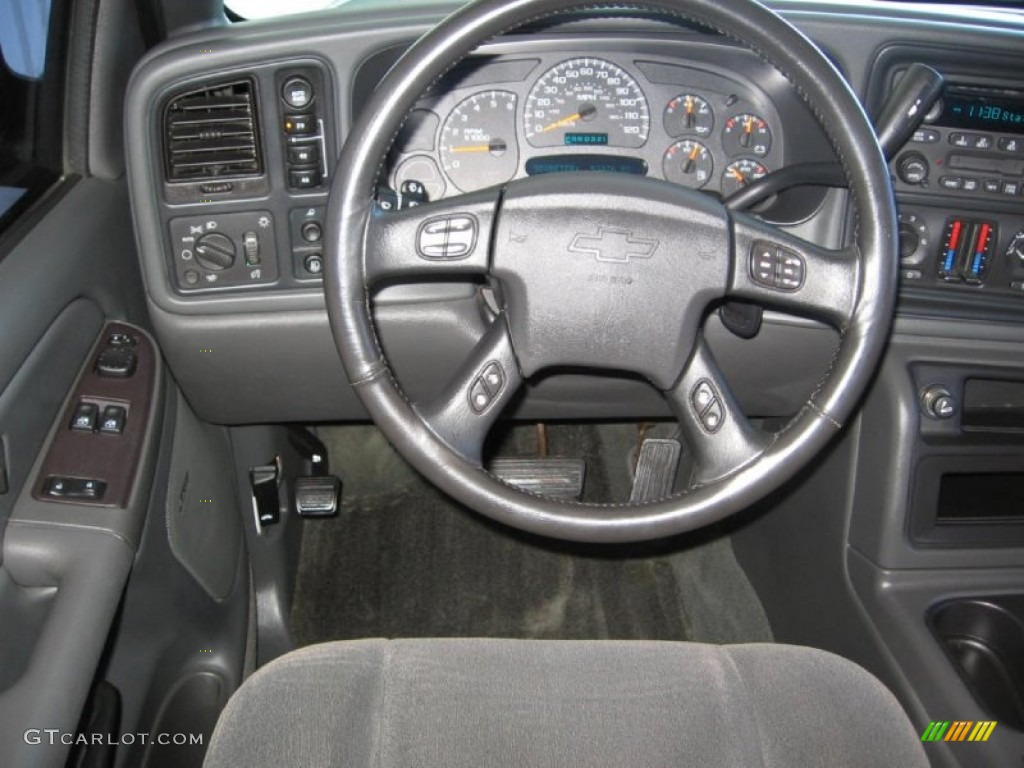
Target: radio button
[992, 186]
[1011, 188]
[1011, 144]
[960, 140]
[951, 182]
[970, 185]
[981, 141]
[925, 136]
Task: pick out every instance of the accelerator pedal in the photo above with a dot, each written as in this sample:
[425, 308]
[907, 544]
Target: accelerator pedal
[560, 478]
[655, 469]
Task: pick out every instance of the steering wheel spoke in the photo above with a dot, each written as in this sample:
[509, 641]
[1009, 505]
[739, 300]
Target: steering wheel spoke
[777, 269]
[448, 237]
[473, 400]
[719, 434]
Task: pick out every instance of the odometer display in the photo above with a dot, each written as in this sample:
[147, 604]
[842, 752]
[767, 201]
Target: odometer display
[586, 97]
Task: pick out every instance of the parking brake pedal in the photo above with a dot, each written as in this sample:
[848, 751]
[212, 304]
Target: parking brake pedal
[655, 470]
[560, 478]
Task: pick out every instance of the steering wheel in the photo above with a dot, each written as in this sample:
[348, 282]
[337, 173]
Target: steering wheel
[609, 271]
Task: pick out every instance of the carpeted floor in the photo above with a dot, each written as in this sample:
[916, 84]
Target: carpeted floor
[402, 560]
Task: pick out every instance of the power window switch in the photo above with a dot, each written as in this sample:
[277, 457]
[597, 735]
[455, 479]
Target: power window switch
[74, 488]
[85, 418]
[113, 420]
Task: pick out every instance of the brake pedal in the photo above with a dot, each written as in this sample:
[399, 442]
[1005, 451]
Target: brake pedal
[560, 478]
[317, 496]
[655, 469]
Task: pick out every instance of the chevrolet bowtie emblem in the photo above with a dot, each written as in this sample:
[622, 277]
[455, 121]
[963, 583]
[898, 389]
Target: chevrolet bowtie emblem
[613, 244]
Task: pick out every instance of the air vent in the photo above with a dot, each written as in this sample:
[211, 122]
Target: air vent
[212, 133]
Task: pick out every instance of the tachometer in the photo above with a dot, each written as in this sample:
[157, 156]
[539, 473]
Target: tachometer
[478, 141]
[587, 102]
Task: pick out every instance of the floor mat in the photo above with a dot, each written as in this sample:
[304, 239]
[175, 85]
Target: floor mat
[403, 560]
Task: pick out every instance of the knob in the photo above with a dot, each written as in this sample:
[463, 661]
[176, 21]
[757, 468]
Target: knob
[913, 168]
[937, 402]
[215, 251]
[1015, 250]
[910, 241]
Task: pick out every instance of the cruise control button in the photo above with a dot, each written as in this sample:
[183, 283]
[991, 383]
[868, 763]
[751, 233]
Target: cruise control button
[113, 420]
[449, 237]
[486, 387]
[85, 417]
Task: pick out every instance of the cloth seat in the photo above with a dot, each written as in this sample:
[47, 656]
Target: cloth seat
[478, 703]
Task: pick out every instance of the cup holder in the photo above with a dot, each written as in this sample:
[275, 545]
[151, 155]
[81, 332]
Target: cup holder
[984, 637]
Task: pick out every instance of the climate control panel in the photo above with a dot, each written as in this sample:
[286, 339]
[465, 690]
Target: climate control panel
[973, 251]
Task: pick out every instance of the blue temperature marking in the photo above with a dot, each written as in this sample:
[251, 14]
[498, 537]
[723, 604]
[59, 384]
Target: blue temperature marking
[976, 266]
[950, 258]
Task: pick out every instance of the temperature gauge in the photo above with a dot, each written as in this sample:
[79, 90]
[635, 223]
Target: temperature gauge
[688, 113]
[688, 163]
[740, 173]
[746, 134]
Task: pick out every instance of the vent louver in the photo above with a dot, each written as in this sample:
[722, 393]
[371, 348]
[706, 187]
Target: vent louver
[212, 133]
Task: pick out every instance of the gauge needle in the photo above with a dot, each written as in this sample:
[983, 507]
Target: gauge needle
[585, 111]
[691, 160]
[689, 113]
[495, 146]
[738, 176]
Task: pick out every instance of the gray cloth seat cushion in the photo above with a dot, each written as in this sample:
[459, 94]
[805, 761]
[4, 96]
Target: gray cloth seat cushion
[477, 703]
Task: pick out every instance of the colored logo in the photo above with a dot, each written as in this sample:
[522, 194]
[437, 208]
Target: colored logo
[958, 730]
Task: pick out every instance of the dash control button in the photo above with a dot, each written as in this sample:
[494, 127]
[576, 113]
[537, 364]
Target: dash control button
[486, 387]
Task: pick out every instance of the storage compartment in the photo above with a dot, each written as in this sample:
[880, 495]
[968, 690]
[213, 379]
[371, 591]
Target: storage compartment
[984, 638]
[24, 611]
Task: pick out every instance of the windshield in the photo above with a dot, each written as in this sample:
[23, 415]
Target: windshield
[262, 9]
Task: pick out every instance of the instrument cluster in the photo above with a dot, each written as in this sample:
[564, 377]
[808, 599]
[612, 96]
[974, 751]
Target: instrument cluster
[689, 125]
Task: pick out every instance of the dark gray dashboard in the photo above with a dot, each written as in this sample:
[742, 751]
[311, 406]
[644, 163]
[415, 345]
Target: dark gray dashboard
[262, 317]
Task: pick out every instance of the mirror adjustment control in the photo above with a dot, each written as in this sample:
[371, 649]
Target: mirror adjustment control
[116, 362]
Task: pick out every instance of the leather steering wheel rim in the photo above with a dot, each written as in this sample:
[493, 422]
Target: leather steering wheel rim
[351, 236]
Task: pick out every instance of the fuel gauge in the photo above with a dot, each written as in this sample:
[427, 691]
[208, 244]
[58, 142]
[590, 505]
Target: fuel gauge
[688, 163]
[740, 173]
[689, 113]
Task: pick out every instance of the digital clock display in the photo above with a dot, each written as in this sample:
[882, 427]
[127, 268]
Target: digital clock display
[983, 113]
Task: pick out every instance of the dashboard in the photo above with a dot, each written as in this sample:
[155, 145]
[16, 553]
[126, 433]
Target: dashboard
[686, 121]
[231, 232]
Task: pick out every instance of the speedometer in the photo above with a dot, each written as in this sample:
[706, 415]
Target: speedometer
[587, 102]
